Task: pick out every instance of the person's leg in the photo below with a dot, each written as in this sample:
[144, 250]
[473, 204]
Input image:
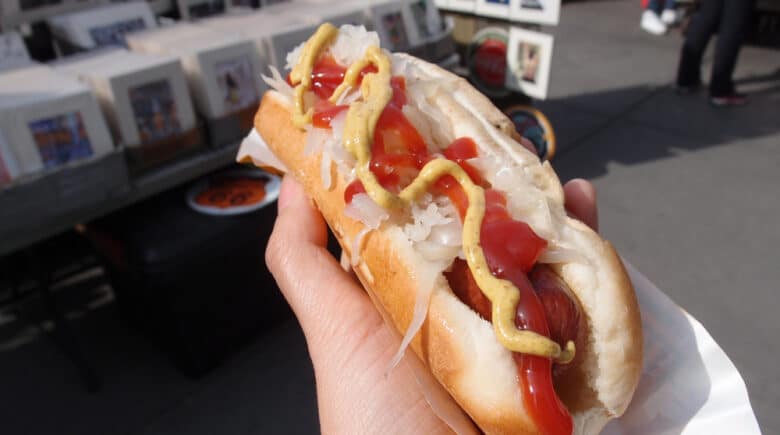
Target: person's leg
[734, 24]
[670, 4]
[703, 24]
[656, 6]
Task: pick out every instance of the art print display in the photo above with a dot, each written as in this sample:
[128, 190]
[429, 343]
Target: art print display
[529, 59]
[154, 109]
[495, 8]
[61, 139]
[536, 11]
[235, 79]
[114, 34]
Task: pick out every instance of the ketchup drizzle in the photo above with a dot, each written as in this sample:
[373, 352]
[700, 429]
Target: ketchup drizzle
[510, 246]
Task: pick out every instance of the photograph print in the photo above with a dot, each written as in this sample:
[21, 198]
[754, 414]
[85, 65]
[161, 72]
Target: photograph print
[235, 79]
[495, 8]
[528, 61]
[154, 109]
[61, 139]
[536, 11]
[114, 34]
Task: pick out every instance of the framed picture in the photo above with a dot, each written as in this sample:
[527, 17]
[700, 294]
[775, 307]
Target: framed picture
[8, 168]
[394, 26]
[61, 139]
[536, 11]
[154, 110]
[114, 34]
[495, 8]
[462, 5]
[235, 79]
[528, 60]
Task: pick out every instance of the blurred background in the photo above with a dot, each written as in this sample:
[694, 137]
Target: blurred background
[134, 298]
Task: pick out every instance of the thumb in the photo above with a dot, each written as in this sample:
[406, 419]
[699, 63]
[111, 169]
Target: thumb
[325, 299]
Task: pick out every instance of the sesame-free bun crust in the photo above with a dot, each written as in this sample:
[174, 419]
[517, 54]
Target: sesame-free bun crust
[458, 346]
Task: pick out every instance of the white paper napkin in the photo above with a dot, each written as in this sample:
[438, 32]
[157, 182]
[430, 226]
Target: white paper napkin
[688, 386]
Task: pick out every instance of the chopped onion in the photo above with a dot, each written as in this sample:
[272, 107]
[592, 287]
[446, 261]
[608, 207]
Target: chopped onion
[293, 56]
[325, 166]
[357, 244]
[315, 139]
[433, 251]
[425, 281]
[351, 43]
[254, 148]
[559, 254]
[363, 209]
[277, 82]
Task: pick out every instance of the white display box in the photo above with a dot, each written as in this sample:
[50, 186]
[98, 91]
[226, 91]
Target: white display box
[223, 70]
[13, 52]
[501, 9]
[194, 9]
[16, 12]
[337, 13]
[49, 119]
[274, 35]
[427, 24]
[103, 26]
[144, 96]
[395, 25]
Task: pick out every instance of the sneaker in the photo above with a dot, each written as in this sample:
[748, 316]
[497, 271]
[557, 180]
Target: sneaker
[729, 100]
[652, 23]
[670, 17]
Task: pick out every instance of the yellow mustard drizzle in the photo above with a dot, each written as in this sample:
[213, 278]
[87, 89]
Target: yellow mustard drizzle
[362, 117]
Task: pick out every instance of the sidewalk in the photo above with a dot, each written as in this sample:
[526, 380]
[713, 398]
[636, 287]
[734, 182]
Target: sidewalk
[687, 193]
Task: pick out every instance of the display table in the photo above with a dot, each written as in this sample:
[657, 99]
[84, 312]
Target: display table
[20, 230]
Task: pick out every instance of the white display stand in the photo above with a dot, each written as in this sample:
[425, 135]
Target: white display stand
[274, 35]
[144, 96]
[395, 25]
[13, 52]
[49, 119]
[194, 9]
[223, 70]
[102, 26]
[337, 13]
[15, 12]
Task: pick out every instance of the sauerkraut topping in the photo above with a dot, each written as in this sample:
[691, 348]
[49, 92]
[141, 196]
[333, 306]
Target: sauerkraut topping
[362, 118]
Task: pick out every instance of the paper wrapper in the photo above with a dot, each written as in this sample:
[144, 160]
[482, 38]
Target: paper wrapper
[688, 385]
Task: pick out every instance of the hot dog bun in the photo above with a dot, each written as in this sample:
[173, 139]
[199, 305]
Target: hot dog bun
[458, 346]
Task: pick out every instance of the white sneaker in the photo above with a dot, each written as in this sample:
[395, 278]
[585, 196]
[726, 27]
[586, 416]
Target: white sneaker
[670, 17]
[652, 23]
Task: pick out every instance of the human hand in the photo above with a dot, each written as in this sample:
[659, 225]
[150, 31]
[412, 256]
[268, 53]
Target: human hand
[349, 344]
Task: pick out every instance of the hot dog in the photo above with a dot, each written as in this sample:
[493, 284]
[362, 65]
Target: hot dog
[523, 314]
